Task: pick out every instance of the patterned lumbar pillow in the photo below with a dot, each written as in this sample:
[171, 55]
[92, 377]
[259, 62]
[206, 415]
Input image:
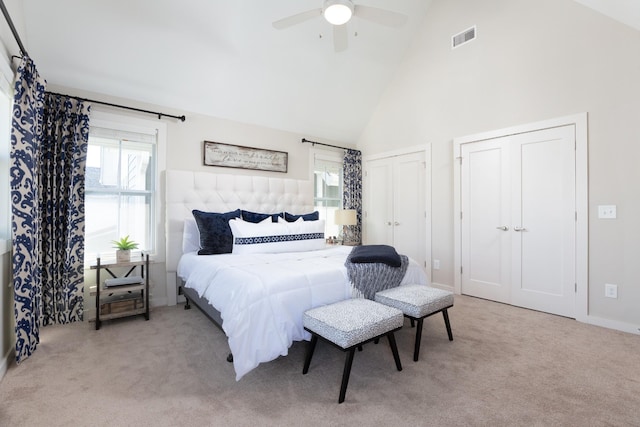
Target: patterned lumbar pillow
[275, 237]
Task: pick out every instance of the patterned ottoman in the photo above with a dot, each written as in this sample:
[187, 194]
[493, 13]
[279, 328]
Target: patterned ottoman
[348, 325]
[418, 302]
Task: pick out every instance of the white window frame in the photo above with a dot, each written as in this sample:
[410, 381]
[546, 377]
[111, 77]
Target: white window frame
[126, 123]
[332, 156]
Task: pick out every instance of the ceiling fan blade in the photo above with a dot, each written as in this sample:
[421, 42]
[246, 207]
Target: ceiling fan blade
[340, 38]
[296, 19]
[380, 16]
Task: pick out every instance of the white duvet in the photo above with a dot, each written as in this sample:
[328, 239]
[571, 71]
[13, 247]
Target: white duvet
[262, 297]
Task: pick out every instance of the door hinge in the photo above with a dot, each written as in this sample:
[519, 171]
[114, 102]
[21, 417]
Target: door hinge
[575, 287]
[460, 214]
[459, 159]
[576, 216]
[460, 269]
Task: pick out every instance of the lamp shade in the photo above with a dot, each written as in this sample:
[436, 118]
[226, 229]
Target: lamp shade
[338, 12]
[346, 217]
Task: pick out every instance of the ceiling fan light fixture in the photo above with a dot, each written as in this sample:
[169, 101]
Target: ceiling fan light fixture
[338, 12]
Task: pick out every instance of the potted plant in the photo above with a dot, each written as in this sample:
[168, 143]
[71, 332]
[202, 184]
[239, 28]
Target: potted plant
[124, 246]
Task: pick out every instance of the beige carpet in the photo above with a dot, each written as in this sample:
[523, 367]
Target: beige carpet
[506, 367]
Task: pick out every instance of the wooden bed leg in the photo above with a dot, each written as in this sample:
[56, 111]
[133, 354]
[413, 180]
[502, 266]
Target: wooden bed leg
[230, 358]
[187, 305]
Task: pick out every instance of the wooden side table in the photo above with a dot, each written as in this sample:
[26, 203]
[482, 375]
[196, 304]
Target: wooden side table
[130, 287]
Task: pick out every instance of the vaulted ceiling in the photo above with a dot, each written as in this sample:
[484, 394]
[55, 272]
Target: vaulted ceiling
[225, 59]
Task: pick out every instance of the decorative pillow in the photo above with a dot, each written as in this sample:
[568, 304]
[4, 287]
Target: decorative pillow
[313, 216]
[190, 236]
[215, 234]
[259, 217]
[276, 237]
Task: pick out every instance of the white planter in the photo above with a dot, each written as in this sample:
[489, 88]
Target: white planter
[123, 256]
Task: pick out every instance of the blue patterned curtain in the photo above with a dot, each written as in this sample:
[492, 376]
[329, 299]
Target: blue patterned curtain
[352, 195]
[48, 155]
[62, 169]
[26, 134]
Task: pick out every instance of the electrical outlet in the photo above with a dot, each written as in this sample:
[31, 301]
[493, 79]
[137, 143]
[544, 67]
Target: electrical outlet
[610, 291]
[607, 212]
[436, 264]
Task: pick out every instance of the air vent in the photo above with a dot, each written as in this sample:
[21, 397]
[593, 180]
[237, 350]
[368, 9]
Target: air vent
[463, 37]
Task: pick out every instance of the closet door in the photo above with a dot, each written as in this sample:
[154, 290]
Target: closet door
[379, 208]
[518, 224]
[544, 221]
[408, 205]
[395, 204]
[486, 220]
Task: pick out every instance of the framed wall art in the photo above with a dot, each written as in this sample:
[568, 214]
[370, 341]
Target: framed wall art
[237, 156]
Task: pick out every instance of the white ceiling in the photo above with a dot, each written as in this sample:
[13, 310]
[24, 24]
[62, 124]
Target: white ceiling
[223, 57]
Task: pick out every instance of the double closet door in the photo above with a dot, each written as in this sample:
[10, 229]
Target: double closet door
[394, 205]
[518, 220]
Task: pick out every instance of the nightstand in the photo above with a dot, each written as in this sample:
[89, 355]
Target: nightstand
[122, 295]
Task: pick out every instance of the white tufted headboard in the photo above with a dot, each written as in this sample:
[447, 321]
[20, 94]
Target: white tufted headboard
[211, 192]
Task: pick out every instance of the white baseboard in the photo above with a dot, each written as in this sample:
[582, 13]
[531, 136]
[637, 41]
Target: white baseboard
[613, 324]
[7, 360]
[442, 286]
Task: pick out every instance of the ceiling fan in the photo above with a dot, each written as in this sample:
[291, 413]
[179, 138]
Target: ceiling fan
[338, 13]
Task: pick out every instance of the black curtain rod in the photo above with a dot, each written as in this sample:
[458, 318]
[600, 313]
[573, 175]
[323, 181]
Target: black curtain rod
[181, 118]
[5, 12]
[322, 143]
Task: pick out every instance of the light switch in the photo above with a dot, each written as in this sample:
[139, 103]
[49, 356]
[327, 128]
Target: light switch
[607, 211]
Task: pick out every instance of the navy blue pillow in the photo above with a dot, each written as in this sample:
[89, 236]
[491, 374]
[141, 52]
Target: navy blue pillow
[259, 217]
[215, 233]
[313, 216]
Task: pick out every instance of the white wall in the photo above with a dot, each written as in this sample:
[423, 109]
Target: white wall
[532, 60]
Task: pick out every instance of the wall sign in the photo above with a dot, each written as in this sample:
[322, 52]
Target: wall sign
[236, 156]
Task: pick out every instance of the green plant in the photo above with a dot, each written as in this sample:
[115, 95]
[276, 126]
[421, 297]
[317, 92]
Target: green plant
[124, 244]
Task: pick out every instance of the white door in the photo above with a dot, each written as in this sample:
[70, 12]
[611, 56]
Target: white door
[543, 206]
[379, 206]
[408, 206]
[486, 221]
[518, 220]
[395, 204]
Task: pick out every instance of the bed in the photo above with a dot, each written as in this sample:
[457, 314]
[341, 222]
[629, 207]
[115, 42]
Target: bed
[256, 298]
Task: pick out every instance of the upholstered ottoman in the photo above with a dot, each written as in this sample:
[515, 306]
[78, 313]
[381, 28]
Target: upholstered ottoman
[348, 325]
[418, 302]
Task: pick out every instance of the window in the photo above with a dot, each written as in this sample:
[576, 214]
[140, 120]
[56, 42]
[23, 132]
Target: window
[327, 184]
[120, 187]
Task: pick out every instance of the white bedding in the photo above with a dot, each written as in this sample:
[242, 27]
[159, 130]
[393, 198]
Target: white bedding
[262, 297]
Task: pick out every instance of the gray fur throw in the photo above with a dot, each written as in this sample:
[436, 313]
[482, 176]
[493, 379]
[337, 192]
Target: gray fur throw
[368, 278]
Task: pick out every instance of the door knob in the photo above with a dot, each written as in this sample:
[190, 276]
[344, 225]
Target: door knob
[503, 228]
[519, 229]
[396, 223]
[388, 222]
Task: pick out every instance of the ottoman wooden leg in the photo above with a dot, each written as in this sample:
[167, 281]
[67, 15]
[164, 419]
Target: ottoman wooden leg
[416, 349]
[394, 350]
[345, 374]
[447, 324]
[310, 349]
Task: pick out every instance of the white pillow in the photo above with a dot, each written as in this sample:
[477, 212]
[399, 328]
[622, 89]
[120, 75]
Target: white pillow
[190, 236]
[276, 237]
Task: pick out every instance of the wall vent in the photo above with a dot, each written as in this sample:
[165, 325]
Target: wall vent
[463, 37]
